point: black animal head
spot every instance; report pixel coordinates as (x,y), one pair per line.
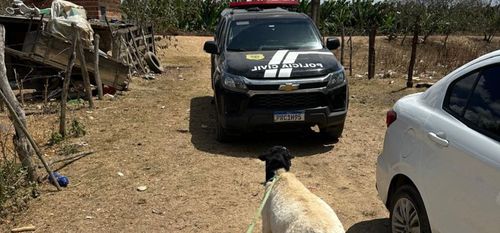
(276,158)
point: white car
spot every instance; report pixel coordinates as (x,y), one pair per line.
(440,167)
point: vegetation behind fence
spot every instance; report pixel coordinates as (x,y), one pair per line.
(391,17)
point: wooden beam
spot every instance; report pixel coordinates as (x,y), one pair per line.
(97,75)
(67,80)
(85,72)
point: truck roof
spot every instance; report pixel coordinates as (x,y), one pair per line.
(256,13)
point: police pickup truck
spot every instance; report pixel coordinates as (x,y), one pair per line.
(271,70)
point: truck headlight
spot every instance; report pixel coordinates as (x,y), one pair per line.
(233,82)
(336,79)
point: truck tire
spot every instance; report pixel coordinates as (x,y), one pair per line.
(153,62)
(220,133)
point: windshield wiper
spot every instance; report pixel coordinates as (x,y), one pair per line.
(237,50)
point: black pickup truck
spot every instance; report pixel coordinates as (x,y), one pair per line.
(272,70)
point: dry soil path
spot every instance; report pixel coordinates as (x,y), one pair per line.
(161,135)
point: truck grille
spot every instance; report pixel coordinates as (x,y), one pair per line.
(273,87)
(302,100)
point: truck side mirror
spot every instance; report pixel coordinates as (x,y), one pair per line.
(332,43)
(211,47)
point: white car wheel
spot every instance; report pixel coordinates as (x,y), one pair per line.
(408,213)
(405,218)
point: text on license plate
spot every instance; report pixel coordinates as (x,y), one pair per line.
(289,116)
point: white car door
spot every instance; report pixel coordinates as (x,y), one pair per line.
(461,161)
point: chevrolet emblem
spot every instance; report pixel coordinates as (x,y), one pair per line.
(289,87)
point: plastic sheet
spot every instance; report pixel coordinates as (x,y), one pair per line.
(63,14)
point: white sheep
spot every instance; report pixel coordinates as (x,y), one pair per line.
(291,207)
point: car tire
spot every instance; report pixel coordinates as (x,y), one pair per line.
(220,133)
(414,219)
(332,132)
(153,62)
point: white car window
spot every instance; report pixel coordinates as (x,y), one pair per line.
(460,92)
(483,109)
(475,100)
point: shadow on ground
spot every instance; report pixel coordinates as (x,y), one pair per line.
(202,129)
(371,226)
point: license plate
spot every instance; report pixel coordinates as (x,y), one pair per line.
(289,116)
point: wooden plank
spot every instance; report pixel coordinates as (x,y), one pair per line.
(112,71)
(140,57)
(126,30)
(48,50)
(136,57)
(37,59)
(85,72)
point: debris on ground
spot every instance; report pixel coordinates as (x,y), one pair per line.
(109,97)
(24,229)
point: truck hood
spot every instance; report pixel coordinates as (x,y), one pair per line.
(281,64)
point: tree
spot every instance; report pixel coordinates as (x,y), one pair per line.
(413,12)
(369,16)
(490,21)
(170,15)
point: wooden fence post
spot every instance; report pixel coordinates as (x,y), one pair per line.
(315,11)
(97,75)
(83,68)
(153,38)
(21,142)
(67,79)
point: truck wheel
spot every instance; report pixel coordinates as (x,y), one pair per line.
(220,133)
(332,132)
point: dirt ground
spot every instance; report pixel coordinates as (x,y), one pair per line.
(161,134)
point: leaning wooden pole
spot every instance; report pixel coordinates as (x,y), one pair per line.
(67,80)
(83,68)
(97,75)
(31,140)
(23,149)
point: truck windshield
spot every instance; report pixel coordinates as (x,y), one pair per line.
(275,34)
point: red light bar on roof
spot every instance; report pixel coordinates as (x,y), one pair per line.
(264,3)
